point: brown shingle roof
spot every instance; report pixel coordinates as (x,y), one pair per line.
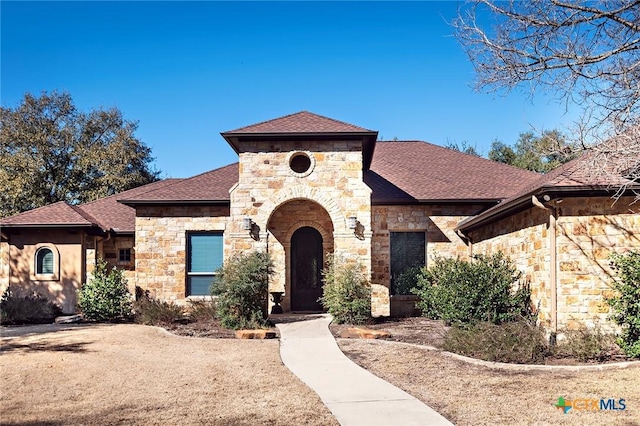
(425,172)
(114,215)
(105,213)
(56,214)
(574,176)
(300,122)
(209,187)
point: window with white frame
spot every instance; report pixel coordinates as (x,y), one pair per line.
(407,251)
(204,258)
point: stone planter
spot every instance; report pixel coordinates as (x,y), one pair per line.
(404,305)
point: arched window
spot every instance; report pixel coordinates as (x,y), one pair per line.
(44,261)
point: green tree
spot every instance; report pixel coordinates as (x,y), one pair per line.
(536,153)
(463,147)
(50,151)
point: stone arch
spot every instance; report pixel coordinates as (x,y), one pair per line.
(326,235)
(305,193)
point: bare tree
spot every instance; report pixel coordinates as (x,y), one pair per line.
(585,53)
(582,51)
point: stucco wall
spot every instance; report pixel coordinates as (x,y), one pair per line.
(160,246)
(4,265)
(68,256)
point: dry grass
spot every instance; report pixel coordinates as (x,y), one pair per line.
(131,374)
(473,395)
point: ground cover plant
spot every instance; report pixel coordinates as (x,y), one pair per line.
(346,293)
(106,296)
(241,291)
(29,309)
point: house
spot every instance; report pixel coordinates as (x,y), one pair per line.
(306,186)
(560,230)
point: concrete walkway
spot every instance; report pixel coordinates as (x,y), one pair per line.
(354,396)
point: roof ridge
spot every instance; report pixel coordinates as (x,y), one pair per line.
(243,129)
(266,121)
(97,200)
(78,209)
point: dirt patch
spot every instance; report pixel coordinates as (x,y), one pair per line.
(416,330)
(469,394)
(137,375)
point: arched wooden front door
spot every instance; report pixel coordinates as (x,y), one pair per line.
(306,267)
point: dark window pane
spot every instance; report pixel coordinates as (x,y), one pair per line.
(124,255)
(407,251)
(44,261)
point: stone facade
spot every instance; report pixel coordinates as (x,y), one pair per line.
(161,238)
(280,200)
(588,230)
(438,222)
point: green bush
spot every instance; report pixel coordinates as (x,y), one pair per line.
(242,291)
(585,344)
(346,294)
(625,304)
(520,342)
(407,281)
(32,309)
(106,296)
(463,292)
(149,311)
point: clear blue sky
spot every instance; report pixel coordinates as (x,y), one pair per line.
(190,70)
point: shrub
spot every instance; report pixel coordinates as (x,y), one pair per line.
(242,291)
(151,311)
(462,292)
(520,342)
(626,303)
(346,294)
(32,309)
(407,281)
(585,344)
(202,310)
(106,296)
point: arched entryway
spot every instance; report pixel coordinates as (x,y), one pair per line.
(306,269)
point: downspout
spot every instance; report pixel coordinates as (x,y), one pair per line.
(553,270)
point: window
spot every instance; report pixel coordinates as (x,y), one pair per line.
(124,255)
(44,261)
(300,163)
(407,251)
(204,258)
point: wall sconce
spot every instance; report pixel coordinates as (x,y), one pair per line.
(352,222)
(252,227)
